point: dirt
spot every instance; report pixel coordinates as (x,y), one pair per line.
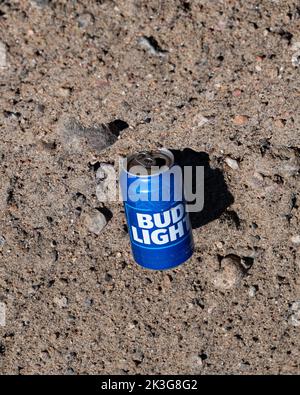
(84,82)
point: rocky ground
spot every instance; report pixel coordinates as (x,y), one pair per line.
(84,82)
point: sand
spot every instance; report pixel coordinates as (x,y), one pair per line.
(83,83)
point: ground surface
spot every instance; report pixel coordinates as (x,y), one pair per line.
(218,77)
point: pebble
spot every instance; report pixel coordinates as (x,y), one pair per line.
(232,163)
(240,120)
(95,221)
(296,59)
(252,291)
(279,123)
(2,314)
(230,274)
(295,46)
(106,179)
(138,356)
(295,239)
(61,302)
(84,20)
(2,55)
(167,281)
(219,244)
(200,120)
(258,176)
(104,171)
(64,92)
(2,241)
(294,318)
(237,93)
(256,180)
(197,361)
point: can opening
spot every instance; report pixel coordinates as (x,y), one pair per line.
(153,161)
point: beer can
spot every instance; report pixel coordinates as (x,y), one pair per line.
(158,224)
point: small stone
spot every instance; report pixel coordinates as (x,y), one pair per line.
(252,291)
(200,120)
(61,301)
(197,361)
(296,59)
(88,302)
(219,244)
(2,314)
(2,55)
(294,318)
(258,176)
(45,356)
(237,93)
(230,274)
(279,123)
(95,221)
(295,46)
(240,120)
(167,281)
(138,357)
(107,181)
(295,239)
(64,92)
(104,171)
(256,180)
(232,163)
(85,20)
(2,241)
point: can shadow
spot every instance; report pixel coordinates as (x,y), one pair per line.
(216,194)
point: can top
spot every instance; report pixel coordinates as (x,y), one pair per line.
(153,161)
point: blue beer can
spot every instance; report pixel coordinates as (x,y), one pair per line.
(158,223)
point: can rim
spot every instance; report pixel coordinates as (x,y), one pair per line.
(164,168)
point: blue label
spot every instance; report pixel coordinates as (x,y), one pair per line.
(158,230)
(160,240)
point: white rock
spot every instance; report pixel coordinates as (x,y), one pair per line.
(104,171)
(2,314)
(95,222)
(200,120)
(2,241)
(107,181)
(2,56)
(295,46)
(61,302)
(296,59)
(252,291)
(84,20)
(295,239)
(294,318)
(229,276)
(232,163)
(258,176)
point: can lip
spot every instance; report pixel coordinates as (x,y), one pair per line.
(163,169)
